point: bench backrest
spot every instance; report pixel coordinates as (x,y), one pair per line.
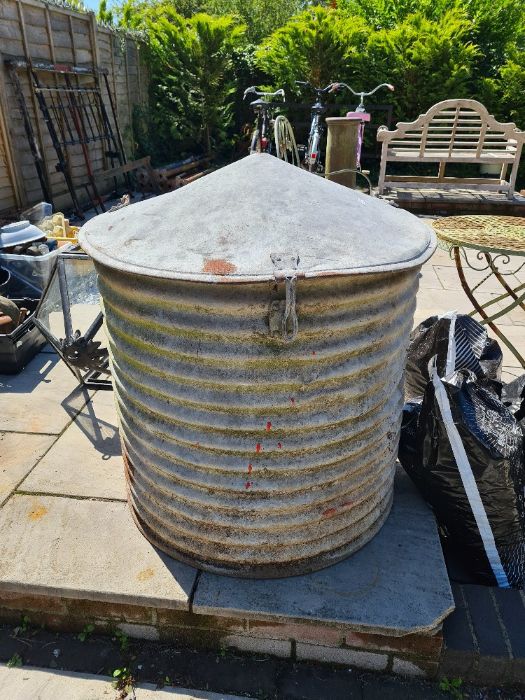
(454,126)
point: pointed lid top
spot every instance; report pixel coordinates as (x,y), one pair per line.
(245,221)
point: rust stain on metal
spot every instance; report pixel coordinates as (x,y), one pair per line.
(37,512)
(218,266)
(329,512)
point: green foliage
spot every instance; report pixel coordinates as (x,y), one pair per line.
(317,45)
(15,661)
(429,49)
(86,632)
(261,17)
(504,95)
(192,81)
(426,60)
(124,681)
(104,15)
(122,639)
(453,687)
(23,627)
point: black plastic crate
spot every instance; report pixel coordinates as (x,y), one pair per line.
(20,346)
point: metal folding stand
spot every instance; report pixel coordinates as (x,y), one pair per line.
(75,115)
(73,284)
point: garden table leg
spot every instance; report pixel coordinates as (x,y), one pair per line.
(488,320)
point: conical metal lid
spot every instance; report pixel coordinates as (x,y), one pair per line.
(246,220)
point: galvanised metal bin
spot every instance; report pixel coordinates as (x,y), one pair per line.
(258,321)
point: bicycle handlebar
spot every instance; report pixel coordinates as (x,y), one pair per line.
(253,90)
(319,91)
(361,106)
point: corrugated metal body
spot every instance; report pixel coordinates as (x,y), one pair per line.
(247,455)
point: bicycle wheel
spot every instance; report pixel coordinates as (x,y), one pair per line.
(285,145)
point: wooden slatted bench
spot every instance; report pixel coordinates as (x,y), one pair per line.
(452,131)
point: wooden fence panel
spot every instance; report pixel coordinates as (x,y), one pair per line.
(33,29)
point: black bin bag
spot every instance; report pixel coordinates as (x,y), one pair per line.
(464,449)
(472,349)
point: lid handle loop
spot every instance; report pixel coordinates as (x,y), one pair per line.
(286,269)
(290,323)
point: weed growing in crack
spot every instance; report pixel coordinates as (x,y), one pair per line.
(15,661)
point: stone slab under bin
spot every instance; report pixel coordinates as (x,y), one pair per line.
(389,599)
(380,609)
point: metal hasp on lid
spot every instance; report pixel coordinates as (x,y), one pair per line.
(257,322)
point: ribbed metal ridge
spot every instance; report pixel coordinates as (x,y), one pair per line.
(246,455)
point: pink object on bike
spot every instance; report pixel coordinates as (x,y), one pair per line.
(362,116)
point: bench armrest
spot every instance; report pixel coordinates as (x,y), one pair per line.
(383,134)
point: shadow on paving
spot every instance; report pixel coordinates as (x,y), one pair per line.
(254,676)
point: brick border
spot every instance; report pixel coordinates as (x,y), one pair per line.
(412,655)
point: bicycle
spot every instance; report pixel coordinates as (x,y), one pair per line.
(361,114)
(312,159)
(283,136)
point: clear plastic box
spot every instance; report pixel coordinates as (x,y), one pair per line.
(33,271)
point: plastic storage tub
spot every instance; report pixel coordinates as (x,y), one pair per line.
(20,346)
(33,271)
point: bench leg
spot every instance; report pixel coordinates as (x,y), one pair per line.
(382,169)
(514,173)
(441,171)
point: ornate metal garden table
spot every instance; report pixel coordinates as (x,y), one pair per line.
(497,240)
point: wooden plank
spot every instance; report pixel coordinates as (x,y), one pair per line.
(127,167)
(436,180)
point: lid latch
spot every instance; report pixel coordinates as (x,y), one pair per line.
(283,317)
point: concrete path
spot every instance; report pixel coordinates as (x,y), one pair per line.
(41,684)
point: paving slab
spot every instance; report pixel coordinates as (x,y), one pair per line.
(397,584)
(41,684)
(86,459)
(86,549)
(449,277)
(43,398)
(19,452)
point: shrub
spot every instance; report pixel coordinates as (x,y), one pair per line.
(317,45)
(426,60)
(192,79)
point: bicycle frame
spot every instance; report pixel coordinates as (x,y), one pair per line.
(261,141)
(312,160)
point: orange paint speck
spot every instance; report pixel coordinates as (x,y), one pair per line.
(279,445)
(258,447)
(248,485)
(145,574)
(268,427)
(249,469)
(217,266)
(329,512)
(37,512)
